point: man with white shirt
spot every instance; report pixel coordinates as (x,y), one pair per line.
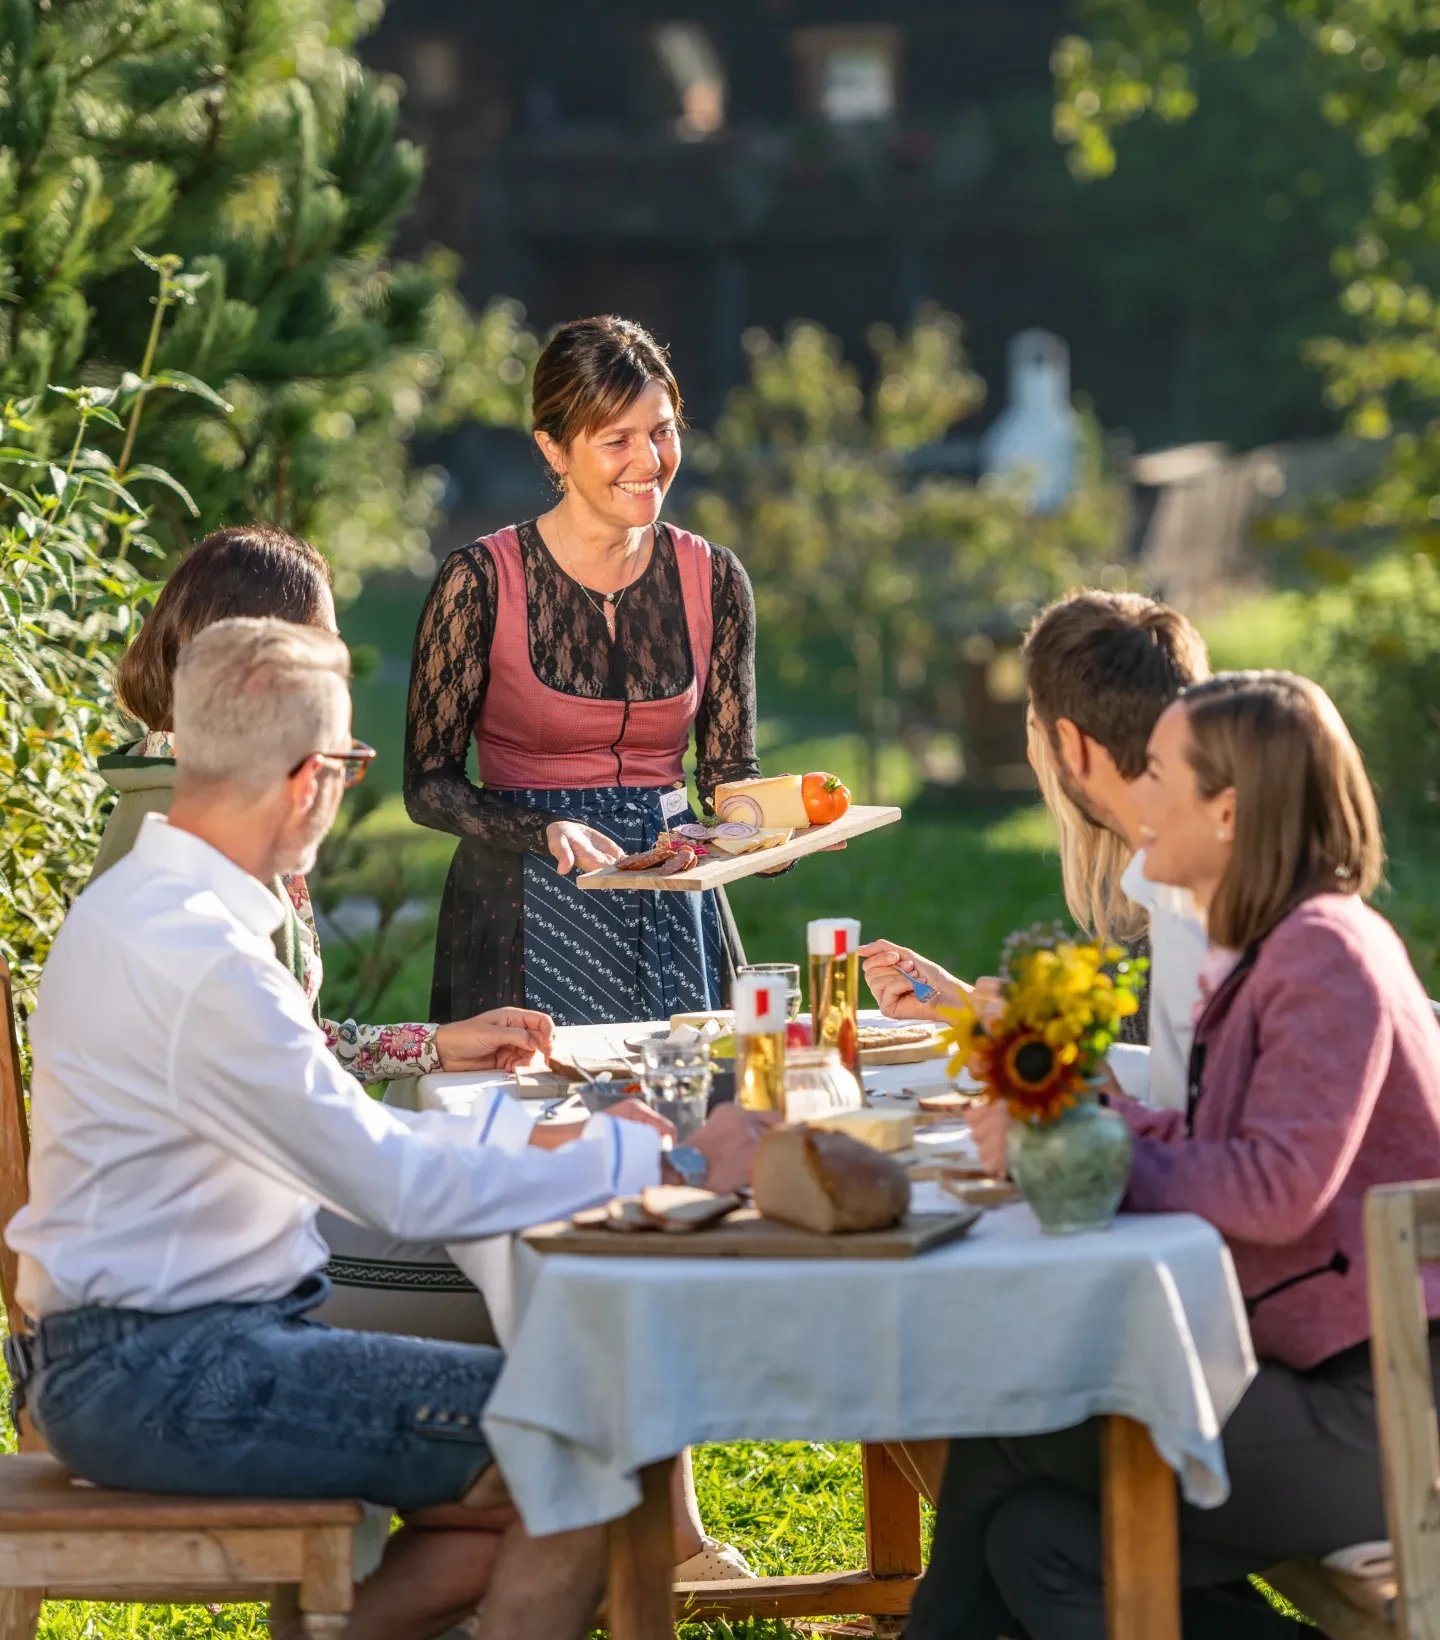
(188,1121)
(1100,668)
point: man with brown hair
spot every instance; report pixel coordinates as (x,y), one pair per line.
(1100,668)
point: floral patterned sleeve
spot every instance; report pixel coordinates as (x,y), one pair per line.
(377,1053)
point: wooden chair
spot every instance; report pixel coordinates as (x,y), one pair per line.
(61,1539)
(1402,1232)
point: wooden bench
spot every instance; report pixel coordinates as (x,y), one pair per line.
(1402,1232)
(62,1539)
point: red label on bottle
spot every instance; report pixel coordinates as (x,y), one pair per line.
(842,942)
(762,1003)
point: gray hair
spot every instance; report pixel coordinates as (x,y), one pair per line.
(255,697)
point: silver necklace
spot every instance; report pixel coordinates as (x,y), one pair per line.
(605,610)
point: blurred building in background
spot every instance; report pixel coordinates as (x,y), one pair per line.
(725,163)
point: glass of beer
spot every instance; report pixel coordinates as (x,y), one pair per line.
(761,1002)
(834,944)
(790,973)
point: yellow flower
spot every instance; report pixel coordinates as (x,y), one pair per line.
(960,1037)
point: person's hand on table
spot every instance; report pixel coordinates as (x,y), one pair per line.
(502,1039)
(889,970)
(728,1142)
(574,845)
(990,1123)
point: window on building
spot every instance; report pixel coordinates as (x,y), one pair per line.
(849,76)
(435,72)
(692,68)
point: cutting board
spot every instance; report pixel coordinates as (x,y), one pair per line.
(714,869)
(902,1053)
(746,1235)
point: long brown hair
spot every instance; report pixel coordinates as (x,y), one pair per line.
(1306,820)
(248,569)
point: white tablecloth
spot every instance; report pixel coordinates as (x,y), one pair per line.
(619,1362)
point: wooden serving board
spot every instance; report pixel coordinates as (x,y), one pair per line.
(902,1053)
(746,1235)
(714,869)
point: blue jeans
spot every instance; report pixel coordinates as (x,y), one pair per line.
(252,1400)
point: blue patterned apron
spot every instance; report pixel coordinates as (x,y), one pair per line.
(605,956)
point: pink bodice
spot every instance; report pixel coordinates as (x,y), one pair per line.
(530,736)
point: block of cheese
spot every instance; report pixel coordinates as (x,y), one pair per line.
(825,1182)
(888,1130)
(775,801)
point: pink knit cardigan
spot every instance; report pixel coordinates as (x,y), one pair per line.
(1315,1075)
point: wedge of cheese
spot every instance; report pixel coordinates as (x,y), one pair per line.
(887,1130)
(773,802)
(771,838)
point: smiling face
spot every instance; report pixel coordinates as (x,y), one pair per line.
(620,472)
(1188,839)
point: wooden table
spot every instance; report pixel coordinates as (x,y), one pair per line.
(1142,1582)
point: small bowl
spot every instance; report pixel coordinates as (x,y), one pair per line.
(602,1096)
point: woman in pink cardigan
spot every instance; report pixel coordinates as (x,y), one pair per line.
(1315,1074)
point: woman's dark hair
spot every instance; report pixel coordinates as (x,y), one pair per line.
(248,569)
(590,371)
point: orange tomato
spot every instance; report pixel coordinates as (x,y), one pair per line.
(824,797)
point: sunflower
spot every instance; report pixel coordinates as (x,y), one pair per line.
(1036,1079)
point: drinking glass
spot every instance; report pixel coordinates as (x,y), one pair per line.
(675,1082)
(790,973)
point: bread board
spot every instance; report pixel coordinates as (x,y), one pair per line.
(746,1235)
(713,870)
(903,1053)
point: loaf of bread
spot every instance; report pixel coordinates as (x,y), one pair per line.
(827,1182)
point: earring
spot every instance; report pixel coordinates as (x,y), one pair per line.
(1223,836)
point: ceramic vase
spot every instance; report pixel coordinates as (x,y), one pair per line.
(1072,1171)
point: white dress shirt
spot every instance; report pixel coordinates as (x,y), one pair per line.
(187,1118)
(1178,943)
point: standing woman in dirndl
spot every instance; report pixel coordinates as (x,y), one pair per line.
(579,650)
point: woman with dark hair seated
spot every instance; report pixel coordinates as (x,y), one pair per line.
(1315,1075)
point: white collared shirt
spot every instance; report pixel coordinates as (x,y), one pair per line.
(1178,943)
(187,1118)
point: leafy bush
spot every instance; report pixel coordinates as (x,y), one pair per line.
(75,542)
(1378,653)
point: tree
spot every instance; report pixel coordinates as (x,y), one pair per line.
(244,136)
(816,476)
(1372,65)
(1201,266)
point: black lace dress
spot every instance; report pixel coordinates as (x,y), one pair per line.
(591,957)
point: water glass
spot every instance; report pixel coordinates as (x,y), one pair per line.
(790,973)
(675,1083)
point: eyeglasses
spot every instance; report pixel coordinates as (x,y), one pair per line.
(353,763)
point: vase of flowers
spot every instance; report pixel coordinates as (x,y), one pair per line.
(1040,1048)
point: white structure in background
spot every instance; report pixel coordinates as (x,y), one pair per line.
(1037,434)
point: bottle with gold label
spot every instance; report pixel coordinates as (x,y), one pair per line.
(834,945)
(760,1008)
